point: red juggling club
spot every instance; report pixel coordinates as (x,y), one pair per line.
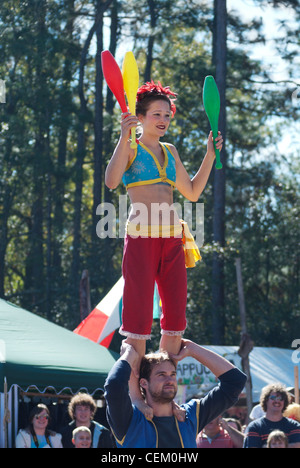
(113,78)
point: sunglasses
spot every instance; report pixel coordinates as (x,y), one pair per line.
(41,417)
(276,398)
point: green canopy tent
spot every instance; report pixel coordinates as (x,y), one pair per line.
(35,353)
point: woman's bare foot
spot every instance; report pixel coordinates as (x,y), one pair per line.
(178,412)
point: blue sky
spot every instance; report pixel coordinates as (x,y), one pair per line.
(271,16)
(289,145)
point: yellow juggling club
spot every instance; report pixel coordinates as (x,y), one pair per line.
(130,74)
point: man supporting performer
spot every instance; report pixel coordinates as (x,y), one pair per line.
(157,378)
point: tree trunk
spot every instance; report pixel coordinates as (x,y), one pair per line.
(65,103)
(98,125)
(107,244)
(4,216)
(75,267)
(76,264)
(153,21)
(35,274)
(6,203)
(84,293)
(219,56)
(246,344)
(102,6)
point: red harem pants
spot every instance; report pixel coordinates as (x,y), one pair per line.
(146,260)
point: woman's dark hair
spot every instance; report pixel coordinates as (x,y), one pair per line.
(38,410)
(34,412)
(150,92)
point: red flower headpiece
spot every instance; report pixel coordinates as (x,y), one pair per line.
(152,89)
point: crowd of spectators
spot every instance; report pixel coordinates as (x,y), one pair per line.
(82,431)
(274,423)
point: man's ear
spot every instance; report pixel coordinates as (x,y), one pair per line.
(144,383)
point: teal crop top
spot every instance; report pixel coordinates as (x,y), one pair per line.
(144,168)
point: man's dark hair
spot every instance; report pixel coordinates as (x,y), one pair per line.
(277,388)
(152,359)
(82,399)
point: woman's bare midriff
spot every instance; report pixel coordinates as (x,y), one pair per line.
(152,205)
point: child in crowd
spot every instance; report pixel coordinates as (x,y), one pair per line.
(277,439)
(82,437)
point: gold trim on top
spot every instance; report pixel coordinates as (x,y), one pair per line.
(149,182)
(161,169)
(131,160)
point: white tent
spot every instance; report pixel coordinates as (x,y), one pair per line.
(267,365)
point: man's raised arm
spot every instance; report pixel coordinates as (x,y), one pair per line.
(213,361)
(119,406)
(231,381)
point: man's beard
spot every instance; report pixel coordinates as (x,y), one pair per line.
(164,396)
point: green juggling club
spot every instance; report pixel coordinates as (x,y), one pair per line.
(211,102)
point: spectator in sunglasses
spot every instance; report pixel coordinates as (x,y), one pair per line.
(274,400)
(37,434)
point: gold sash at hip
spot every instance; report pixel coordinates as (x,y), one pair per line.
(138,230)
(191,251)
